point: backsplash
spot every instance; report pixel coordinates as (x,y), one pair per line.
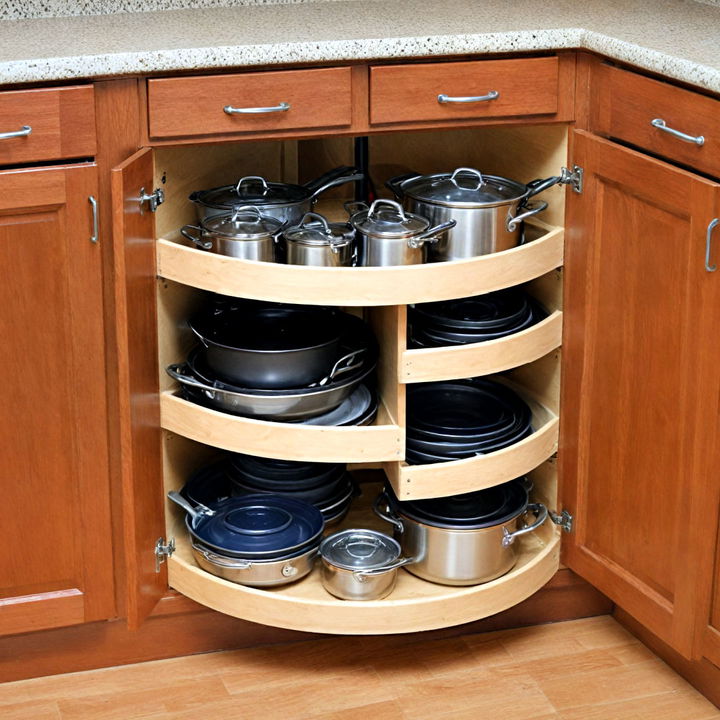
(24,9)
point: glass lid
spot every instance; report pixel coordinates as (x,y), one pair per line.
(252,189)
(244,223)
(359,549)
(314,229)
(386,218)
(465,187)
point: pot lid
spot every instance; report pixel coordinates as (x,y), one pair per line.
(359,549)
(315,230)
(259,524)
(464,187)
(470,511)
(252,190)
(244,223)
(386,218)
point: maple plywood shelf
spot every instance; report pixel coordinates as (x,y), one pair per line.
(361,286)
(414,605)
(383,440)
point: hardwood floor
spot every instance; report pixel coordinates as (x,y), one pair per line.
(589,669)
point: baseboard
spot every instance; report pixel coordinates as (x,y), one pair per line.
(181,627)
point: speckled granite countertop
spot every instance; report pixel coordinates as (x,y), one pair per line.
(678,38)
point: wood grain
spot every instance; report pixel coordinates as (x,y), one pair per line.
(193,106)
(640,388)
(409,93)
(54,457)
(625,102)
(62,121)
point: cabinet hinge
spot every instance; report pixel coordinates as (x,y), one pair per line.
(163,551)
(572,177)
(564,519)
(155,198)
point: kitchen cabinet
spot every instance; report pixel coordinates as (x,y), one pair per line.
(640,396)
(56,567)
(710,632)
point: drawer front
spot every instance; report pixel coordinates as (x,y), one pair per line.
(61,122)
(408,93)
(627,103)
(263,102)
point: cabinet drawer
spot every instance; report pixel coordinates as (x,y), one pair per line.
(406,93)
(263,102)
(61,122)
(627,103)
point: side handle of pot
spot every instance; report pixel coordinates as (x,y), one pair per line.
(512,223)
(185,232)
(333,178)
(178,372)
(541,513)
(394,184)
(381,507)
(431,235)
(361,575)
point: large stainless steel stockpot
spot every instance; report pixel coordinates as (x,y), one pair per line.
(463,554)
(244,234)
(314,241)
(285,202)
(255,573)
(488,209)
(360,564)
(387,235)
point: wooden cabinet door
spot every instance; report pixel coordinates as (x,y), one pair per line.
(710,632)
(135,300)
(55,529)
(641,382)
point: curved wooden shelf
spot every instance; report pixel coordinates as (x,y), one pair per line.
(372,443)
(366,286)
(415,482)
(413,606)
(492,356)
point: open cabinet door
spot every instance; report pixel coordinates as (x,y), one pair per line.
(640,386)
(134,237)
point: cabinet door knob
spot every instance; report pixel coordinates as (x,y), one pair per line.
(708,243)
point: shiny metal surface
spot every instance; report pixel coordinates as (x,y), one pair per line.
(259,249)
(253,573)
(94,206)
(24,131)
(660,124)
(710,267)
(280,107)
(492,95)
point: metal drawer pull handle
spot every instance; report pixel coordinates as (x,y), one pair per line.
(24,131)
(282,107)
(659,123)
(93,204)
(708,240)
(492,95)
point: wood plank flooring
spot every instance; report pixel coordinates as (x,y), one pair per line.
(588,669)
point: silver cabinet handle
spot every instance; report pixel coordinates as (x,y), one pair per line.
(708,240)
(24,131)
(282,107)
(93,205)
(492,95)
(660,124)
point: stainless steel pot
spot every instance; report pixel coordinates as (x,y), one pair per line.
(285,202)
(387,235)
(460,556)
(489,210)
(244,234)
(316,242)
(267,573)
(360,564)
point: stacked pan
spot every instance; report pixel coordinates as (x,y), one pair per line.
(327,486)
(473,319)
(461,419)
(287,363)
(259,540)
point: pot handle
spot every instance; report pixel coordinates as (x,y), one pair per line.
(469,171)
(385,514)
(394,184)
(359,206)
(540,511)
(338,370)
(196,512)
(318,218)
(248,210)
(541,184)
(333,178)
(511,223)
(247,178)
(362,575)
(177,372)
(431,235)
(185,232)
(384,201)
